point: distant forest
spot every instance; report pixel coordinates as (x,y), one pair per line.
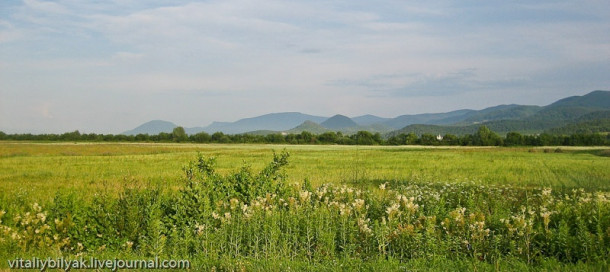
(482,137)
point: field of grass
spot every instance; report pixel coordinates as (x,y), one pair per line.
(361,208)
(37,170)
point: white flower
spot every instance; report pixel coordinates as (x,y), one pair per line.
(546,192)
(362,224)
(234,202)
(358,204)
(198,228)
(36,207)
(392,209)
(42,217)
(305,195)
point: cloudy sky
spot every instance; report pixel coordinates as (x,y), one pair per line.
(108,66)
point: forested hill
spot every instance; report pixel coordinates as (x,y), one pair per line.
(572,113)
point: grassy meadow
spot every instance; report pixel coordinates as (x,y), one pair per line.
(322,207)
(37,170)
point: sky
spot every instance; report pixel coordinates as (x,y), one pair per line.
(109,66)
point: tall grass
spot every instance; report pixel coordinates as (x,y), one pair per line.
(256,219)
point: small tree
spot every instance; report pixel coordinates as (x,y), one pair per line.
(179,135)
(514,138)
(201,137)
(485,136)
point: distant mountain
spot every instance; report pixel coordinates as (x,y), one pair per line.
(420,129)
(339,122)
(595,99)
(429,118)
(369,119)
(273,121)
(586,127)
(308,126)
(502,112)
(152,127)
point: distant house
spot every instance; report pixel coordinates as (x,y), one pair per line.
(439,137)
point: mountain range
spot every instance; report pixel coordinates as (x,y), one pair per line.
(592,109)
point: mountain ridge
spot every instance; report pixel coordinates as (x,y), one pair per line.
(501,118)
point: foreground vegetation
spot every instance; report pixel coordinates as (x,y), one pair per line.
(258,220)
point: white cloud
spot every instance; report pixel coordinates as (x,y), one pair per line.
(45,6)
(198,60)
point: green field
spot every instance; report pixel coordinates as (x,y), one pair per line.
(442,207)
(40,169)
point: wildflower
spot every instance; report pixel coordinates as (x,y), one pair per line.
(392,210)
(363,226)
(546,192)
(198,228)
(600,197)
(244,208)
(411,207)
(321,192)
(228,215)
(129,244)
(36,207)
(215,215)
(304,196)
(546,217)
(344,210)
(382,186)
(358,204)
(42,217)
(234,203)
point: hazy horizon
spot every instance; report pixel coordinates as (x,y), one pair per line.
(107,67)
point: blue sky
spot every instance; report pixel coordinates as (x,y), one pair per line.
(108,66)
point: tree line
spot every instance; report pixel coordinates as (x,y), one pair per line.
(483,137)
